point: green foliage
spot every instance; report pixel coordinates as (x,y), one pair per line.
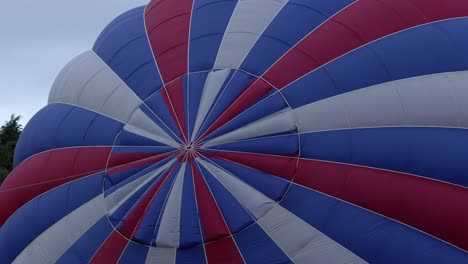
(9,135)
(3,174)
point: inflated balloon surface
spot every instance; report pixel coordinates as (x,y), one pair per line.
(209,131)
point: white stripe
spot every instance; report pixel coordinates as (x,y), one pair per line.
(300,241)
(169,230)
(142,125)
(255,202)
(88,82)
(214,82)
(161,255)
(60,81)
(118,197)
(49,246)
(249,20)
(278,122)
(430,100)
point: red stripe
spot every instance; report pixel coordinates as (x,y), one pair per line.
(437,208)
(223,251)
(256,90)
(357,25)
(173,96)
(47,170)
(135,218)
(167,24)
(111,250)
(117,159)
(281,166)
(137,163)
(213,223)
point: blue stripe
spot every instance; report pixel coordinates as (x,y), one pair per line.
(264,108)
(269,185)
(431,152)
(134,253)
(44,211)
(427,49)
(289,145)
(257,247)
(233,87)
(118,180)
(295,20)
(234,214)
(197,83)
(189,222)
(209,22)
(124,46)
(121,214)
(149,227)
(157,104)
(159,122)
(194,255)
(215,101)
(372,237)
(126,138)
(114,24)
(62,125)
(84,249)
(146,149)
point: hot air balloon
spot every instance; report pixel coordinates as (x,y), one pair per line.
(208,131)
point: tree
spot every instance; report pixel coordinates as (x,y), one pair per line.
(9,135)
(11,130)
(3,174)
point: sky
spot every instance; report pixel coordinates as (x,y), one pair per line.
(37,39)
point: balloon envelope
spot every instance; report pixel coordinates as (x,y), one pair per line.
(203,131)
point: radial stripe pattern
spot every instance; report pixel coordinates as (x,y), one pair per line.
(292,131)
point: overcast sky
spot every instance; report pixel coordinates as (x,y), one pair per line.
(37,38)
